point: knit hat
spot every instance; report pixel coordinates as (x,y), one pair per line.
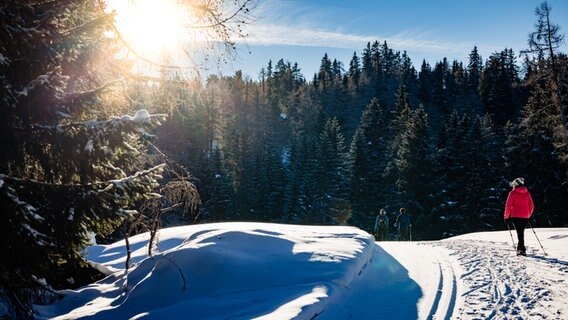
(518,182)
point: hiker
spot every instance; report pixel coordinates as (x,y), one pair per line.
(404,225)
(518,210)
(381,226)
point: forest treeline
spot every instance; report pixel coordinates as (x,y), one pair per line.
(442,141)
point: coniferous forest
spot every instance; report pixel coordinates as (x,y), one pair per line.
(90,149)
(443,141)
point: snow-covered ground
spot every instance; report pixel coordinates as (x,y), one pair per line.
(274,271)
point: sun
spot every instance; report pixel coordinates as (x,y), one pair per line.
(152,27)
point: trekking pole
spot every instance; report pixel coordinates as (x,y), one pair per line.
(511,234)
(537,239)
(410,230)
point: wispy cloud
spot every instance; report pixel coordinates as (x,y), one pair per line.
(298,24)
(287,35)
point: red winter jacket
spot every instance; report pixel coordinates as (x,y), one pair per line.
(519,203)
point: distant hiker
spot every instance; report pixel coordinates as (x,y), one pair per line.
(518,210)
(382,226)
(403,224)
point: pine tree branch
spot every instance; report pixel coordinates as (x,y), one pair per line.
(88,94)
(97,22)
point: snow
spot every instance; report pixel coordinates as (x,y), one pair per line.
(3,59)
(42,281)
(41,80)
(285,156)
(92,238)
(141,115)
(34,233)
(23,92)
(275,271)
(90,146)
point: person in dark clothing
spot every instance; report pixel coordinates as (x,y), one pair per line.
(403,224)
(381,226)
(518,210)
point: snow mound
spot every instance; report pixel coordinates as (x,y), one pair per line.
(223,271)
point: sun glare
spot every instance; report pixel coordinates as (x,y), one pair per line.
(152,27)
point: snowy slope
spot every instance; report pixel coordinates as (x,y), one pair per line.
(272,271)
(500,285)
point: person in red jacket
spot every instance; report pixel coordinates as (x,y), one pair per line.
(518,210)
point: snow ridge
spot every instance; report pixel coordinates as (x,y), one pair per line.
(226,270)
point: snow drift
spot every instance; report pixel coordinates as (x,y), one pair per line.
(233,270)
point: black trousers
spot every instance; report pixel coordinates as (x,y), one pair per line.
(404,234)
(520,224)
(382,234)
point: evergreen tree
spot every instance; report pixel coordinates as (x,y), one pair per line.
(439,93)
(400,117)
(414,164)
(480,180)
(369,74)
(218,205)
(473,72)
(377,57)
(535,137)
(408,74)
(458,88)
(63,176)
(474,69)
(333,176)
(325,74)
(424,78)
(467,179)
(303,174)
(499,87)
(354,74)
(337,70)
(238,125)
(368,158)
(491,174)
(389,78)
(448,179)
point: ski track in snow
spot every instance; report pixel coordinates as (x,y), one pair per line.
(433,267)
(499,285)
(447,278)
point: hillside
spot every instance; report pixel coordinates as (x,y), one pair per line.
(273,271)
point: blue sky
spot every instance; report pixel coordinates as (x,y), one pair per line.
(303,30)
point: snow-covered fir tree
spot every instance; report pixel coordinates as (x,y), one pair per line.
(67,167)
